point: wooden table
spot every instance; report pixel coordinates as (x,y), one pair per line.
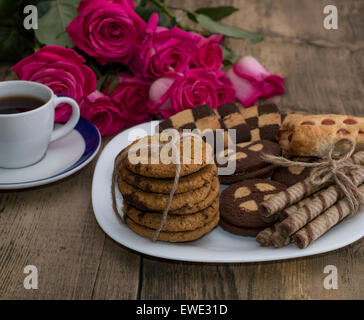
(53,227)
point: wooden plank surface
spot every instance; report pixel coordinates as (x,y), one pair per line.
(53,227)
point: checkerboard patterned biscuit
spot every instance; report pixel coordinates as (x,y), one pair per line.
(264,121)
(230,118)
(201,117)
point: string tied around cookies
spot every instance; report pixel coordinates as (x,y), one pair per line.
(337,170)
(150,147)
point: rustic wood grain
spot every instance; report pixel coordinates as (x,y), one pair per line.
(53,227)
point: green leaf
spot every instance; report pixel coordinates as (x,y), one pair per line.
(14,46)
(229,31)
(230,57)
(217,13)
(146,12)
(113,84)
(9,7)
(191,16)
(52,25)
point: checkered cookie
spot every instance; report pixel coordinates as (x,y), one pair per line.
(230,118)
(264,121)
(201,117)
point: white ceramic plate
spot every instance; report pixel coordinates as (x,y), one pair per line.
(216,246)
(63,158)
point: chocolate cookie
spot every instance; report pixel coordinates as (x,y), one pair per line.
(241,231)
(174,222)
(291,175)
(183,236)
(148,160)
(239,203)
(187,183)
(261,173)
(230,118)
(249,163)
(200,117)
(264,121)
(157,201)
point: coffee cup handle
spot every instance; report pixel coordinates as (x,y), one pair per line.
(71,123)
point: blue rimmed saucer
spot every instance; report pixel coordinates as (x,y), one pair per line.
(63,158)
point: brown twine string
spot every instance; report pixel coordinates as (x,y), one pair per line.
(330,169)
(176,152)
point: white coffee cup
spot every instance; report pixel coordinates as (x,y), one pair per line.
(25,136)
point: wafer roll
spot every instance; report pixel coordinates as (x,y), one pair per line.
(264,236)
(311,210)
(298,191)
(323,223)
(293,208)
(280,216)
(288,197)
(278,240)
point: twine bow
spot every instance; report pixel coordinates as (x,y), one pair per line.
(330,169)
(176,160)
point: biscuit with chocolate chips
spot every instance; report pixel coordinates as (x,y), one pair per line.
(158,201)
(174,222)
(173,236)
(144,156)
(187,183)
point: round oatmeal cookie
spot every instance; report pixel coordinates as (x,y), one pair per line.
(241,231)
(157,201)
(187,183)
(145,158)
(174,222)
(214,193)
(240,203)
(180,236)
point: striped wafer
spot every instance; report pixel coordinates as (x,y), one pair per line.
(264,236)
(311,210)
(293,208)
(288,197)
(298,191)
(323,223)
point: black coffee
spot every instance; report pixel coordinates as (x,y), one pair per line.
(19,104)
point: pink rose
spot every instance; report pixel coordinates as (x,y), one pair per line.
(252,81)
(209,54)
(61,69)
(225,90)
(131,98)
(197,86)
(107,31)
(100,110)
(163,51)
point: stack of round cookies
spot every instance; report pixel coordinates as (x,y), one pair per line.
(146,186)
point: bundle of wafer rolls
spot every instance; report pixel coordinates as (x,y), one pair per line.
(304,211)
